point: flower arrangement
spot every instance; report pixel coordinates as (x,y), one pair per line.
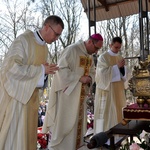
(141,144)
(90,120)
(42,139)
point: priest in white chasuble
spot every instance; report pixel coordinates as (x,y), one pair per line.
(21,75)
(110,91)
(66,112)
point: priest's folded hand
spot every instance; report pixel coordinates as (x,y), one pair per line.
(51,69)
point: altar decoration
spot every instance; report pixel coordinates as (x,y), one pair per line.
(139,84)
(135,112)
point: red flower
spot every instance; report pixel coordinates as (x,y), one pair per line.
(40,135)
(42,138)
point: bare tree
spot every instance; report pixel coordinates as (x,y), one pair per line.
(125,27)
(14,21)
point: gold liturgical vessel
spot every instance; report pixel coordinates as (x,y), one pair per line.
(139,84)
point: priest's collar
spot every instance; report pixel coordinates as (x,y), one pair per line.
(39,38)
(112,53)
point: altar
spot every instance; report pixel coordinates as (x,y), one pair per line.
(134,112)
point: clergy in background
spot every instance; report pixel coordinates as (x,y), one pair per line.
(110,91)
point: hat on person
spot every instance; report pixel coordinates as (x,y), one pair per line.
(97,36)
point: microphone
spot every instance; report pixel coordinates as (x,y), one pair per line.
(98,140)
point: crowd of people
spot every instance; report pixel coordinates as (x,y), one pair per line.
(41,113)
(22,75)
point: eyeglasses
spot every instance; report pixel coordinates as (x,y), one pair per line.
(57,34)
(97,48)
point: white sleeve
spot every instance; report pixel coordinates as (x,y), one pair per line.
(41,80)
(116,76)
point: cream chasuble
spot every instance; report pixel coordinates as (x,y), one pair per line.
(110,96)
(68,100)
(19,101)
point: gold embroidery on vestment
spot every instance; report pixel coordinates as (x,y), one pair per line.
(85,62)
